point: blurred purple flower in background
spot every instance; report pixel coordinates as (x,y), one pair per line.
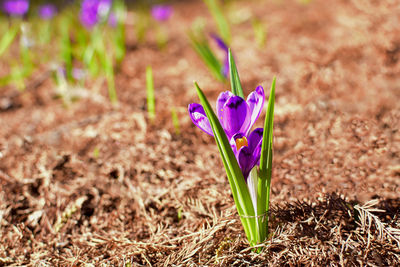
(16,7)
(221,44)
(47,11)
(161,12)
(92,11)
(88,14)
(112,19)
(79,74)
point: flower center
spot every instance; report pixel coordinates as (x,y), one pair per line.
(241,142)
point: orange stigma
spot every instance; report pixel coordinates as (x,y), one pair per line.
(241,142)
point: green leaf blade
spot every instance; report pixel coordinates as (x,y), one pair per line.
(7,39)
(204,51)
(150,93)
(264,183)
(222,23)
(236,85)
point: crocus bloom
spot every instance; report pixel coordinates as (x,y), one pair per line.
(236,116)
(161,12)
(92,11)
(47,11)
(16,7)
(221,44)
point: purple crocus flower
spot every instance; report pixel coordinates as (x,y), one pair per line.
(236,116)
(16,7)
(161,12)
(92,11)
(221,44)
(88,14)
(47,11)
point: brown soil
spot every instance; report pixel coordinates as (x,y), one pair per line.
(154,197)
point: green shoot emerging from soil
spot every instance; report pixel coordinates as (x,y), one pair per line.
(7,39)
(200,44)
(150,94)
(260,32)
(222,24)
(247,156)
(175,121)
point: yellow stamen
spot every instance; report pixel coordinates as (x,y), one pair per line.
(241,142)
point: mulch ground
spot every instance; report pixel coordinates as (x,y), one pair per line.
(89,184)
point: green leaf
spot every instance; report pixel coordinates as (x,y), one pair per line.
(109,71)
(27,64)
(150,93)
(203,49)
(260,32)
(264,183)
(237,182)
(7,39)
(119,33)
(45,32)
(236,85)
(120,12)
(222,23)
(142,25)
(120,49)
(66,48)
(175,121)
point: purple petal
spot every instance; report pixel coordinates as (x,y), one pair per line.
(255,142)
(161,12)
(257,155)
(255,138)
(16,7)
(249,157)
(255,101)
(88,19)
(47,11)
(222,98)
(199,118)
(235,116)
(88,14)
(92,11)
(246,160)
(221,44)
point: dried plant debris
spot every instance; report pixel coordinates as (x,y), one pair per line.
(327,231)
(334,230)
